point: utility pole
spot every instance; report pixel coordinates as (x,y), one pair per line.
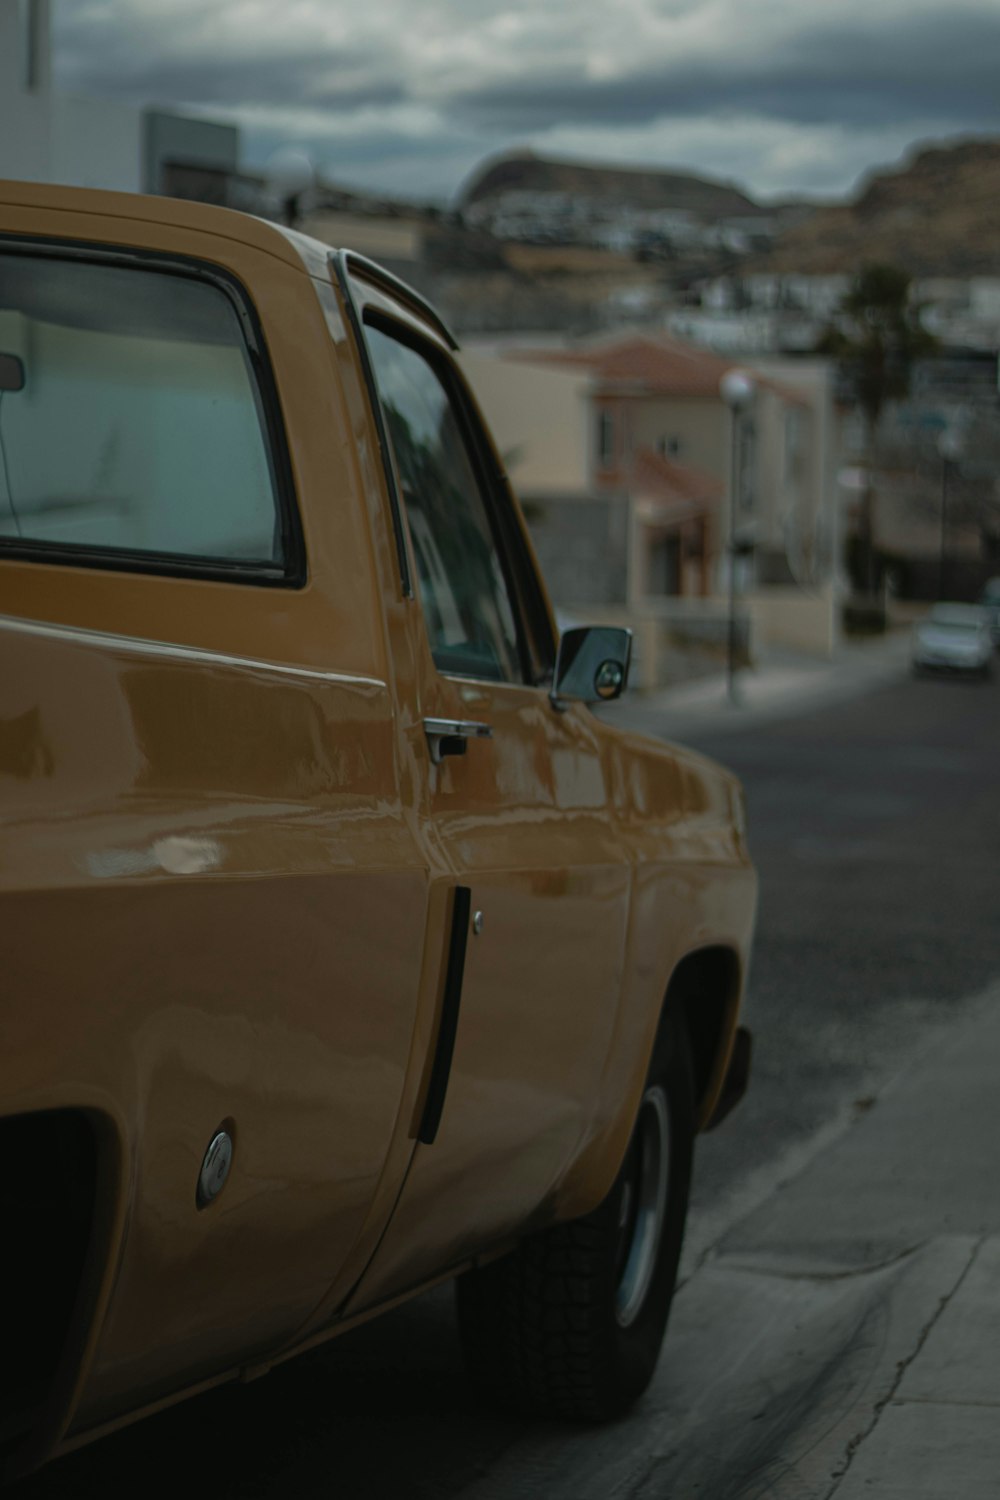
(737,389)
(950,449)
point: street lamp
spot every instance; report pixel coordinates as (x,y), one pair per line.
(289,174)
(949,447)
(737,390)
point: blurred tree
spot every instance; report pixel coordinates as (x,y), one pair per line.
(876,336)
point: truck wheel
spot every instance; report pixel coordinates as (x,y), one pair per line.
(570,1323)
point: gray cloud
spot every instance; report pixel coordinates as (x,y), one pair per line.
(372,93)
(141,59)
(377,148)
(292,79)
(938,70)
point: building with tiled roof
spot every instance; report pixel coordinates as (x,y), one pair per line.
(657,364)
(660,366)
(622,450)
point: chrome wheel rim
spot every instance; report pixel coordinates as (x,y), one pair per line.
(643,1206)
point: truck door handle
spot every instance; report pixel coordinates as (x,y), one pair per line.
(452,736)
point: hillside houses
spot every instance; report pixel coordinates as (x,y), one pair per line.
(774,311)
(557,217)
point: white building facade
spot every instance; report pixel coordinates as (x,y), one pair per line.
(48,136)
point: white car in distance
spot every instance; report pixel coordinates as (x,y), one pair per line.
(954,638)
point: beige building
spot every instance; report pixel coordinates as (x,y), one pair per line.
(395,242)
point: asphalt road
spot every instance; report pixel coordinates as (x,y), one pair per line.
(875,825)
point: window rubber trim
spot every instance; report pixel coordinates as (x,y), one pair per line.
(293,572)
(383,280)
(341,262)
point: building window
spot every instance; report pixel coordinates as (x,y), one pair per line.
(793,446)
(605,439)
(665,564)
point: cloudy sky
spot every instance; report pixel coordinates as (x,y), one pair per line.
(407,96)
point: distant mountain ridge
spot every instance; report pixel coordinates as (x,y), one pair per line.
(938,215)
(646,188)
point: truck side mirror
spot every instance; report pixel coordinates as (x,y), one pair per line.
(591,665)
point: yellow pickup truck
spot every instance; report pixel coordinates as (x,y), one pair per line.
(344,949)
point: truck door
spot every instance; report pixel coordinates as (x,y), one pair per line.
(514,799)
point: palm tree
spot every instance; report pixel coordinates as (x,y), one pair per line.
(876,338)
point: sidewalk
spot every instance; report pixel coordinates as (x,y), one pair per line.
(842,1341)
(869,1291)
(782,684)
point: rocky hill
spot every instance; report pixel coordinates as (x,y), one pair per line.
(523,171)
(937,215)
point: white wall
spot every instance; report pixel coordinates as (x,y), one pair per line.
(95,143)
(792,618)
(24,111)
(48,137)
(812,492)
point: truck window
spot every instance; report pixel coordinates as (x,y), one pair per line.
(135,425)
(465,597)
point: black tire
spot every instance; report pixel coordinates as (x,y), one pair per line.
(571,1322)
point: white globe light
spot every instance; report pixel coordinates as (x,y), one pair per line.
(737,389)
(289,172)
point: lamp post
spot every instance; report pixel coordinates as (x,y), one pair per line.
(289,173)
(737,390)
(950,450)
